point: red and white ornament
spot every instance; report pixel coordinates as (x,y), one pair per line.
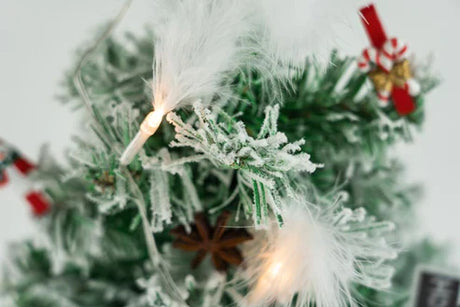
(12,160)
(393,51)
(384,54)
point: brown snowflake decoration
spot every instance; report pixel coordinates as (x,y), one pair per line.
(219,241)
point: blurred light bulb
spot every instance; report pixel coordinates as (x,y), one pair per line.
(275,269)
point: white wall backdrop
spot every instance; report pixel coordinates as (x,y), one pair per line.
(37,39)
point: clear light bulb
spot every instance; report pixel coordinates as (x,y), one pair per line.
(148,127)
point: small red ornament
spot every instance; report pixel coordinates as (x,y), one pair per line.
(390,76)
(10,158)
(39,204)
(22,165)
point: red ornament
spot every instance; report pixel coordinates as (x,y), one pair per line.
(37,201)
(402,99)
(10,158)
(3,178)
(373,25)
(23,165)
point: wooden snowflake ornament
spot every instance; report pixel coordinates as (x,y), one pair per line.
(218,241)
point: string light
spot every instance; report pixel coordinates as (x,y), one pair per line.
(148,127)
(274,282)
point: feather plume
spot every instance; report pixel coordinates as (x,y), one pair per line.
(317,255)
(197,50)
(291,30)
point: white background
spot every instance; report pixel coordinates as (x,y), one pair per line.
(37,40)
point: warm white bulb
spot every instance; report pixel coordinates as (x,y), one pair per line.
(273,281)
(275,269)
(152,121)
(148,127)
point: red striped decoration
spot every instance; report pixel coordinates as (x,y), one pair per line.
(404,103)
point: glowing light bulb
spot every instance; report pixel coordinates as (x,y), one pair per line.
(151,122)
(148,127)
(275,269)
(268,282)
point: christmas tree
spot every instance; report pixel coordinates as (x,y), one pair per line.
(224,164)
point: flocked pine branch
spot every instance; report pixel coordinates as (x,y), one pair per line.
(262,161)
(95,225)
(337,109)
(110,189)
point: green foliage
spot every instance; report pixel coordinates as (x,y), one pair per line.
(261,163)
(95,252)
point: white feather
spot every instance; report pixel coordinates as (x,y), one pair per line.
(317,255)
(197,49)
(295,29)
(200,45)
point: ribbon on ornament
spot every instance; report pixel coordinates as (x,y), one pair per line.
(12,158)
(387,65)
